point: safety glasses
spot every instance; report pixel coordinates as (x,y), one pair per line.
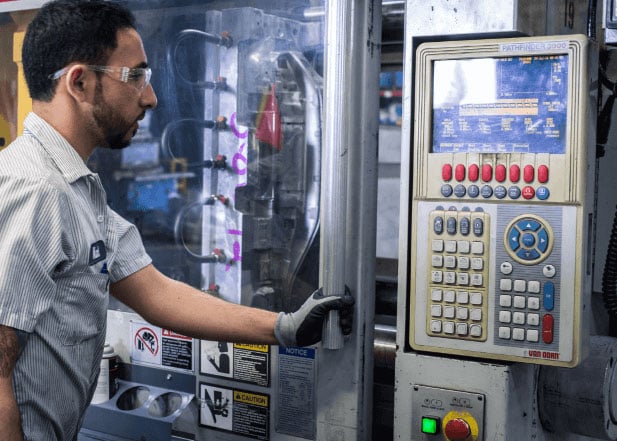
(138,77)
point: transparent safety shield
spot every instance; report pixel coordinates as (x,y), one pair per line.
(222,178)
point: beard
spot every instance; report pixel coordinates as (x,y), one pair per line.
(116,131)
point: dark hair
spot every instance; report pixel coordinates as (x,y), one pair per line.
(65,31)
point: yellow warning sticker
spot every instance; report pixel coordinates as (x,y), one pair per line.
(260,348)
(249,398)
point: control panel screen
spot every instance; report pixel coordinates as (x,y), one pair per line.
(514,104)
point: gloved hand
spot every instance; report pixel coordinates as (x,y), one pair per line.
(304,327)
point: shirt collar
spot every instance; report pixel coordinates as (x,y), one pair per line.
(61,152)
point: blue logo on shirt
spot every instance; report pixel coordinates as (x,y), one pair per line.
(98,253)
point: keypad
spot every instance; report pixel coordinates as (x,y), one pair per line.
(458,250)
(525,308)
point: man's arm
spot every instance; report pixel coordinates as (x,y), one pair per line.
(10,420)
(174,305)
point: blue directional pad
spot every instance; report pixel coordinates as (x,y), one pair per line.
(527,239)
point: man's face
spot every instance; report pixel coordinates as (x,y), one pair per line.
(118,106)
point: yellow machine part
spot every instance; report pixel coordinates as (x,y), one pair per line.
(24,103)
(5,133)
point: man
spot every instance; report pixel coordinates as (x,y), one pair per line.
(63,249)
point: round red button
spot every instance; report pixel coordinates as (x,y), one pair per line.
(457,429)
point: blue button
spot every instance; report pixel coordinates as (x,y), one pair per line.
(460,190)
(500,192)
(542,193)
(513,239)
(473,191)
(451,225)
(528,240)
(478,227)
(464,226)
(542,240)
(528,254)
(487,191)
(438,225)
(446,190)
(528,225)
(549,296)
(514,192)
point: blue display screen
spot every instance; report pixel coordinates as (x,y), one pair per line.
(500,105)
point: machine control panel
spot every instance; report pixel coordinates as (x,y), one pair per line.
(447,415)
(501,199)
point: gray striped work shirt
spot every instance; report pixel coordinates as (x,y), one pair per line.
(60,247)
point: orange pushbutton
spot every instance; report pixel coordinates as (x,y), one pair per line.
(457,429)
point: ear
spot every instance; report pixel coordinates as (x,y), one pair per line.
(79,82)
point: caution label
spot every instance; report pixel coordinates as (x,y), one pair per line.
(249,398)
(259,348)
(238,411)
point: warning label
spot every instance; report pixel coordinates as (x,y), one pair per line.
(160,347)
(232,410)
(241,362)
(146,343)
(249,398)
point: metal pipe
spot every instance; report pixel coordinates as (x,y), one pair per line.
(384,347)
(333,212)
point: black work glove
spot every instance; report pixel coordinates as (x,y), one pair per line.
(304,327)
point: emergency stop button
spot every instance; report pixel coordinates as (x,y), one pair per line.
(457,429)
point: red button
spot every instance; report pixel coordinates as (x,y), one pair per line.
(528,192)
(515,173)
(446,172)
(543,174)
(487,172)
(459,172)
(457,429)
(473,173)
(528,173)
(500,173)
(547,329)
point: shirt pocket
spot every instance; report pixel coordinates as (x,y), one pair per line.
(84,308)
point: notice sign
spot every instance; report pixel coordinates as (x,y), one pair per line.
(160,347)
(296,392)
(241,362)
(233,410)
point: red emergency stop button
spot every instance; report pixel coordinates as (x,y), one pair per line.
(457,429)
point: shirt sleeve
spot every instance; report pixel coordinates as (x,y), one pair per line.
(33,248)
(130,255)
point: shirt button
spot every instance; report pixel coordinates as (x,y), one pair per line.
(100,218)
